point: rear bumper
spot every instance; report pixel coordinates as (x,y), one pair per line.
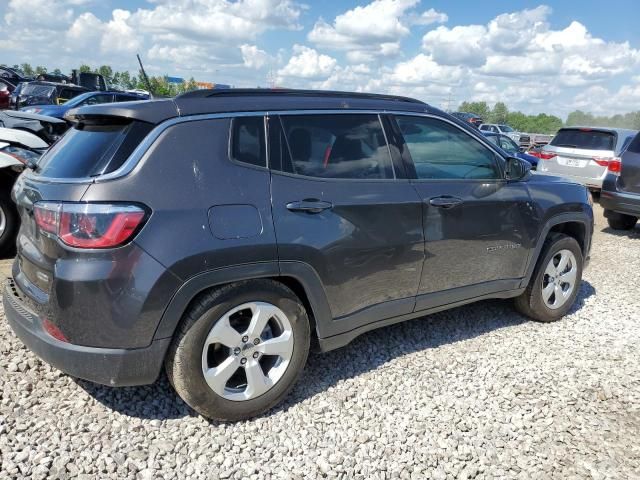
(626,203)
(589,182)
(107,366)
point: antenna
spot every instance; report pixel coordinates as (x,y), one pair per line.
(144,75)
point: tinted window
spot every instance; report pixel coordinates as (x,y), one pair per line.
(441,151)
(89,150)
(508,145)
(96,99)
(634,147)
(336,146)
(584,138)
(247,141)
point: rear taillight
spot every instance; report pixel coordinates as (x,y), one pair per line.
(615,165)
(603,162)
(89,225)
(547,155)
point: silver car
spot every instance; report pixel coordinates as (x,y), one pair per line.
(584,154)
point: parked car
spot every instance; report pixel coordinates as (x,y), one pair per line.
(510,147)
(5,95)
(583,154)
(13,75)
(18,148)
(620,195)
(88,98)
(46,93)
(505,130)
(49,129)
(221,232)
(471,118)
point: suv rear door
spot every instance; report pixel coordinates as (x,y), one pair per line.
(629,180)
(478,227)
(342,204)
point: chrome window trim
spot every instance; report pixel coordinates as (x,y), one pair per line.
(140,151)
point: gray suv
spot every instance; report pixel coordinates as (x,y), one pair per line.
(223,233)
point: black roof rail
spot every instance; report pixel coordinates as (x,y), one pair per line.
(242,92)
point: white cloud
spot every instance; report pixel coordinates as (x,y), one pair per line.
(307,63)
(253,57)
(430,16)
(457,45)
(367,32)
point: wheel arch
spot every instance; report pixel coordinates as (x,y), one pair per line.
(575,224)
(298,276)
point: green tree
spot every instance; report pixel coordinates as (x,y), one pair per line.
(499,113)
(479,108)
(27,69)
(84,68)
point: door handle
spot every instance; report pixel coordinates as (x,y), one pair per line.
(309,205)
(445,201)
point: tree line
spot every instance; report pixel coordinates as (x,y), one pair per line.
(543,123)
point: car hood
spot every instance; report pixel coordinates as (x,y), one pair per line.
(22,116)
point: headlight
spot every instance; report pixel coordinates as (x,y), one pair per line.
(23,155)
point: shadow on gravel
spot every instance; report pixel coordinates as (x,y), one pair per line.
(365,353)
(634,233)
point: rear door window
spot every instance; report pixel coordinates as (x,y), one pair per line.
(584,138)
(351,146)
(91,150)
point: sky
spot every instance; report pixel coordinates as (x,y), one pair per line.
(552,57)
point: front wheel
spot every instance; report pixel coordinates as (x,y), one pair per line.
(239,350)
(554,285)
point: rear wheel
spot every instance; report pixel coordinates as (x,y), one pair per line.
(239,350)
(556,279)
(620,221)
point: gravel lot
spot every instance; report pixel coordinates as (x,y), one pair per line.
(474,392)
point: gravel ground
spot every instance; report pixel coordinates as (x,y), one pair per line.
(474,392)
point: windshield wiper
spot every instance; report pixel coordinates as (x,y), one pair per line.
(565,145)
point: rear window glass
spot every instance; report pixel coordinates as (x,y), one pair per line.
(45,91)
(586,139)
(92,150)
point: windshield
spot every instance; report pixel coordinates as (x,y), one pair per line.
(506,128)
(45,91)
(585,138)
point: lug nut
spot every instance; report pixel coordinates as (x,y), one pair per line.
(236,351)
(243,361)
(245,339)
(256,341)
(256,354)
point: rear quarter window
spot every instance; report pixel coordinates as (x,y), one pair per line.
(586,139)
(634,146)
(91,150)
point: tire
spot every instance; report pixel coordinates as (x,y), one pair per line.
(212,317)
(620,221)
(9,224)
(531,302)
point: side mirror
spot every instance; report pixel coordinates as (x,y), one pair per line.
(516,168)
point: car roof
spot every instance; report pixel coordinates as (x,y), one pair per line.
(619,131)
(202,102)
(56,84)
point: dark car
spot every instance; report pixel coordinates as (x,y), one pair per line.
(223,232)
(13,75)
(46,93)
(88,98)
(510,147)
(470,118)
(620,195)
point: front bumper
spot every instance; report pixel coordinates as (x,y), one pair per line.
(107,366)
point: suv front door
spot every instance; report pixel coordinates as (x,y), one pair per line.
(478,227)
(343,205)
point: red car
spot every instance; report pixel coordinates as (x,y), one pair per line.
(5,94)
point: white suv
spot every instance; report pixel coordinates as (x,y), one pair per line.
(520,138)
